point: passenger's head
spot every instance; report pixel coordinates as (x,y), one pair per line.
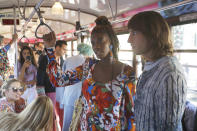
(60,47)
(13,89)
(26,51)
(39,46)
(85,49)
(38,115)
(150,35)
(104,39)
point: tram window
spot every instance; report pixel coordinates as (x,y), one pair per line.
(185,42)
(69,52)
(190,67)
(75,53)
(124,45)
(185,36)
(74,45)
(125,53)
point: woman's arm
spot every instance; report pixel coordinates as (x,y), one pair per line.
(57,76)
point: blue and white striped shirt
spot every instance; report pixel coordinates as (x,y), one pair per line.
(160,96)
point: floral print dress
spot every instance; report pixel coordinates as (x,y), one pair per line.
(4,61)
(107,106)
(5,106)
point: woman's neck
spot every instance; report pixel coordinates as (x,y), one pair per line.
(108,60)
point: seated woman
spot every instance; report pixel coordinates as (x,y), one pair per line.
(37,116)
(12,91)
(107,84)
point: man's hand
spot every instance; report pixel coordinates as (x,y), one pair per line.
(14,38)
(49,39)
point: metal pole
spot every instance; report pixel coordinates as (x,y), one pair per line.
(16,46)
(110,7)
(32,14)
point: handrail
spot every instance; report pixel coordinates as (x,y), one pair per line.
(22,14)
(32,14)
(41,24)
(24,37)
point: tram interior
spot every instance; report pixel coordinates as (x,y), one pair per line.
(181,15)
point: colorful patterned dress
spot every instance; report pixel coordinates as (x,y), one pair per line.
(5,106)
(16,107)
(4,61)
(107,106)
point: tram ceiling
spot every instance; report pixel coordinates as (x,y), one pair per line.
(89,10)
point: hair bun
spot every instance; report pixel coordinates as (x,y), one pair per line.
(102,20)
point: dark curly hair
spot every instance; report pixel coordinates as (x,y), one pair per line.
(103,26)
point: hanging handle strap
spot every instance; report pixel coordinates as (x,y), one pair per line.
(24,37)
(41,24)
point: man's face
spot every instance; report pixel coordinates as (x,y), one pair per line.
(60,51)
(40,47)
(139,43)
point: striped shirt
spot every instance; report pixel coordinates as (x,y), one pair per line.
(160,96)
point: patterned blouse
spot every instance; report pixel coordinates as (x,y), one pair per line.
(5,68)
(5,106)
(16,107)
(107,106)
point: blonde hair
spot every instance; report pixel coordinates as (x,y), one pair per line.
(36,116)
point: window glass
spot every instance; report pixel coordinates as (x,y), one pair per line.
(125,54)
(75,53)
(124,45)
(189,64)
(75,45)
(185,36)
(68,45)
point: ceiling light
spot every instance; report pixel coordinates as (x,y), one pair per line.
(57,8)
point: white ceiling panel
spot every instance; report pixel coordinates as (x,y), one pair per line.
(89,11)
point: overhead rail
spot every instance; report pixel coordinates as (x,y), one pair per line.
(159,9)
(41,24)
(116,9)
(24,37)
(15,43)
(32,14)
(22,14)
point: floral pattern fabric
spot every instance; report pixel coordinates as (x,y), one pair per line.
(107,106)
(5,106)
(4,61)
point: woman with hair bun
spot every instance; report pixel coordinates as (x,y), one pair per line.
(107,84)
